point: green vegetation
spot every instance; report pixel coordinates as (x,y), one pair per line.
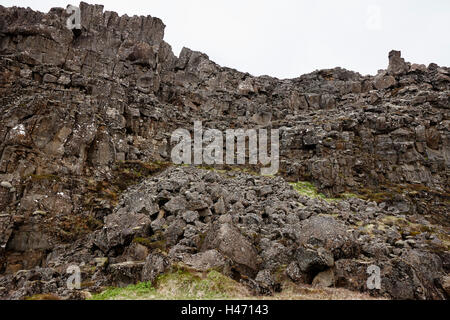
(146,242)
(189,285)
(45,177)
(309,190)
(179,285)
(184,285)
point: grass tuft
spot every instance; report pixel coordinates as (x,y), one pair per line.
(307,189)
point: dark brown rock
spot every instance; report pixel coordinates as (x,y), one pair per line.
(227,239)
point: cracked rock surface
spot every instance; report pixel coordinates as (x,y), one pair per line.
(86,178)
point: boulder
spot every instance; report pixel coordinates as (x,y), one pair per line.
(228,240)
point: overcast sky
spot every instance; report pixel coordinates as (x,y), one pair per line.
(287,38)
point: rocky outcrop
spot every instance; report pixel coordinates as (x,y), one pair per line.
(86,122)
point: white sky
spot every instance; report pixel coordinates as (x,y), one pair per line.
(287,38)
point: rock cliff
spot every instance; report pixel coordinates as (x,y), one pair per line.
(86,174)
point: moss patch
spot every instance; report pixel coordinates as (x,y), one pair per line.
(307,189)
(70,228)
(134,292)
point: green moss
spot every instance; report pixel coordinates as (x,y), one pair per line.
(375,195)
(43,297)
(128,173)
(408,228)
(280,273)
(188,286)
(129,293)
(334,215)
(226,169)
(387,192)
(152,243)
(93,223)
(45,177)
(309,190)
(182,284)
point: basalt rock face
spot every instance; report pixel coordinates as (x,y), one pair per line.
(86,120)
